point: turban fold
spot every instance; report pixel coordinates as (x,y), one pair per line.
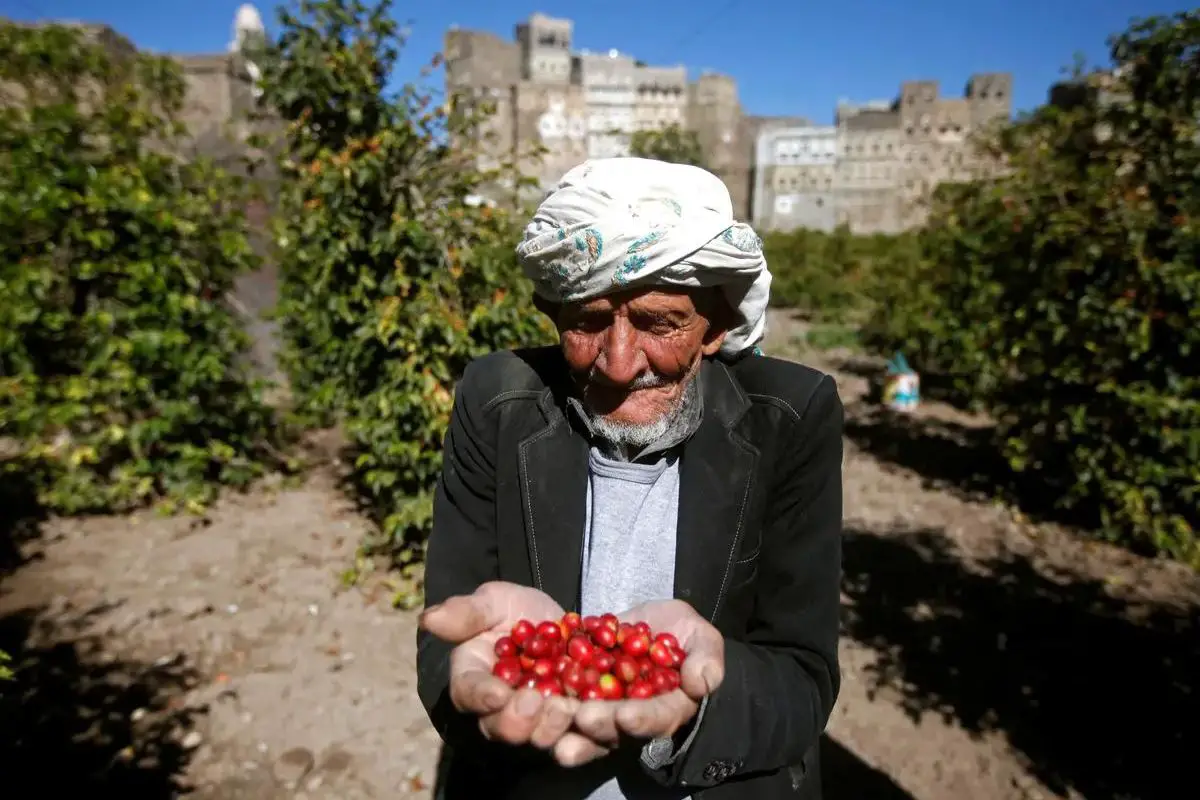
(622,223)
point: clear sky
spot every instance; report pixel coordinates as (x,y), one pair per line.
(793,57)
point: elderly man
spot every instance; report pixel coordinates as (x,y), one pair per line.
(655,463)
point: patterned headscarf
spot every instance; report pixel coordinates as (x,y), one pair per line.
(620,223)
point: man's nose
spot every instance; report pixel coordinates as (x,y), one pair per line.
(620,360)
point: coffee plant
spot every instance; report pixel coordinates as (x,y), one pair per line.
(120,365)
(1066,295)
(833,276)
(395,273)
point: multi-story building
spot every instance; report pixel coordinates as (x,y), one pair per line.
(610,93)
(587,105)
(889,156)
(870,147)
(662,95)
(795,169)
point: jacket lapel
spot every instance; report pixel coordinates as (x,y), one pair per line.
(554,477)
(716,470)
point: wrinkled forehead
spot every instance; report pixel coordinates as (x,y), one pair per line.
(666,299)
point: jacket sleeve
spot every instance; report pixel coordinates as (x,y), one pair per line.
(782,678)
(462,549)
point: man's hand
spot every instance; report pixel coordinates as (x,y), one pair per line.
(474,622)
(605,723)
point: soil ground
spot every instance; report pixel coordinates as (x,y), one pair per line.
(985,655)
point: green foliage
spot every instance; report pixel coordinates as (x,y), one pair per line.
(119,362)
(392,278)
(833,276)
(1065,296)
(5,672)
(672,143)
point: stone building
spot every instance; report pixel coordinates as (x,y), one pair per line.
(610,93)
(580,105)
(889,155)
(868,174)
(715,114)
(662,97)
(794,178)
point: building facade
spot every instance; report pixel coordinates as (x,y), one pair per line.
(794,178)
(889,156)
(610,92)
(579,105)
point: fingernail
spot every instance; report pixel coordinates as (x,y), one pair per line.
(711,677)
(528,704)
(431,609)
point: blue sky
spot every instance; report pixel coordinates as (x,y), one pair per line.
(789,56)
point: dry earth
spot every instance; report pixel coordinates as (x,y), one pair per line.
(984,655)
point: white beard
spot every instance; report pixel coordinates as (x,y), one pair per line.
(632,437)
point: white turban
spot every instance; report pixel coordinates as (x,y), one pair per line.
(620,223)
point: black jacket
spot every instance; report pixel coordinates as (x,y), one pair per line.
(758,554)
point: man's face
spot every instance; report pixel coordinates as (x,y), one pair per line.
(634,353)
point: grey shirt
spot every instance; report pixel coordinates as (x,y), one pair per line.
(629,559)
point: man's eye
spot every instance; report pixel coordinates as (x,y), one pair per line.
(589,324)
(658,326)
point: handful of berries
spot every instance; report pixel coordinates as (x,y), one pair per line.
(592,658)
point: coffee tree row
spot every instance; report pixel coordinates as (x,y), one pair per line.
(1065,297)
(120,376)
(393,277)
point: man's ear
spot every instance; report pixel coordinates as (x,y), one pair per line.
(713,341)
(721,317)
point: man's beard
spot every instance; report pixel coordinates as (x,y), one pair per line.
(631,437)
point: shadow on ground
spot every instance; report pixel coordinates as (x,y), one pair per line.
(844,776)
(959,458)
(1098,695)
(74,721)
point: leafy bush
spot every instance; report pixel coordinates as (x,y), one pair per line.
(119,362)
(833,276)
(393,278)
(1064,295)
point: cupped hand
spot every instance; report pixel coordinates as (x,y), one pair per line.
(603,724)
(474,623)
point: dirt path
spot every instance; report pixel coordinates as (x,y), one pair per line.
(984,656)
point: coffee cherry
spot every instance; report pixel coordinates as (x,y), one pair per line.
(668,639)
(626,669)
(543,668)
(610,688)
(522,632)
(593,658)
(550,631)
(636,644)
(605,637)
(506,647)
(537,647)
(508,670)
(603,660)
(580,649)
(661,654)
